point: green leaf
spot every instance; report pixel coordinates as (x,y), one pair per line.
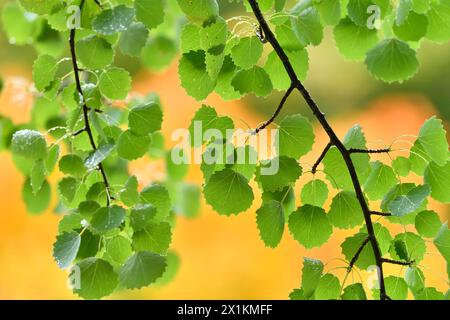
(270,221)
(428,224)
(159,52)
(177,164)
(419,158)
(433,139)
(66,248)
(142,269)
(155,237)
(70,222)
(357,10)
(193,75)
(129,195)
(381,179)
(107,219)
(145,119)
(401,166)
(396,288)
(188,202)
(115,83)
(297,294)
(329,10)
(213,36)
(439,21)
(246,161)
(278,173)
(352,40)
(158,196)
(206,118)
(37,175)
(415,279)
(315,193)
(306,23)
(94,52)
(72,164)
(133,39)
(68,188)
(335,167)
(228,192)
(118,249)
(29,144)
(328,288)
(40,6)
(354,292)
(189,38)
(311,274)
(44,71)
(296,136)
(442,242)
(98,156)
(114,20)
(150,12)
(89,245)
(141,215)
(255,80)
(285,196)
(438,178)
(366,258)
(310,226)
(20,27)
(392,60)
(131,146)
(36,202)
(412,243)
(413,28)
(345,211)
(247,52)
(97,278)
(404,204)
(429,294)
(200,10)
(278,74)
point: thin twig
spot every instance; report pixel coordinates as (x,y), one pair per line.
(277,111)
(358,253)
(355,150)
(401,263)
(87,124)
(319,160)
(378,213)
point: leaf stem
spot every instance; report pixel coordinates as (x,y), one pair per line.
(295,82)
(401,263)
(277,111)
(319,160)
(87,124)
(355,150)
(378,213)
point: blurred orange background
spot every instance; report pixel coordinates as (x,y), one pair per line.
(223,257)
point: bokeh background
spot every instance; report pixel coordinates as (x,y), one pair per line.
(223,258)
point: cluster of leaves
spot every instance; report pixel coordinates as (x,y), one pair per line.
(383,34)
(220,61)
(113,234)
(118,236)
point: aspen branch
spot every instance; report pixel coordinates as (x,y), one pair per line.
(320,116)
(87,124)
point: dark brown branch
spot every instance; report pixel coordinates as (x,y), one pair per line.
(277,111)
(319,160)
(378,213)
(87,124)
(358,253)
(271,38)
(354,150)
(401,263)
